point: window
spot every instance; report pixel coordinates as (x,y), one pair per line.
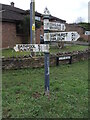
(19,29)
(37,18)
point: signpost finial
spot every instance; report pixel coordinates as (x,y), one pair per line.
(46,11)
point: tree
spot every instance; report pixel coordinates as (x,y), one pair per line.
(85,25)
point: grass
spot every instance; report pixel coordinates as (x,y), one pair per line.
(68,48)
(11,52)
(22,92)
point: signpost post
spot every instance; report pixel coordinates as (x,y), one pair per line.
(46,61)
(46,64)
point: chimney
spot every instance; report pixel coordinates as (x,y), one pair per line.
(12,4)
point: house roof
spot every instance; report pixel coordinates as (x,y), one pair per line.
(57,19)
(36,13)
(13,14)
(77,25)
(51,17)
(11,8)
(10,13)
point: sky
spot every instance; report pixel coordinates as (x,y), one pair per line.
(69,10)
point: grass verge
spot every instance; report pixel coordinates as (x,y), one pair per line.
(22,92)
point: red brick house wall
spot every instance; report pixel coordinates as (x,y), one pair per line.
(39,32)
(9,36)
(85,37)
(72,27)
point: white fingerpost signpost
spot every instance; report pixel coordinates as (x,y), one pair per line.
(54,31)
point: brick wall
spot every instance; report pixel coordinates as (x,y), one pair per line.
(28,62)
(72,27)
(38,33)
(9,38)
(85,37)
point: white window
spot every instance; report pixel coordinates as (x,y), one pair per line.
(87,32)
(37,18)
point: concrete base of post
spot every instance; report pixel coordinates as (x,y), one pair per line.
(47,93)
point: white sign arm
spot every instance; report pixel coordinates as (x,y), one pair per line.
(32,47)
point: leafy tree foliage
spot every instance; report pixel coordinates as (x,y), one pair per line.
(85,25)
